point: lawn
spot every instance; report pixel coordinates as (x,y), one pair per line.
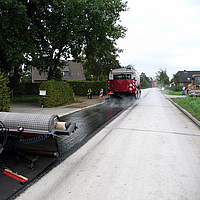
(191,104)
(172,92)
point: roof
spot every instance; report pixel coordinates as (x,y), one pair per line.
(186,76)
(74,69)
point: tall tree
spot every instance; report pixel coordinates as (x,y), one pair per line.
(100,65)
(176,79)
(44,31)
(146,83)
(15,40)
(65,27)
(162,78)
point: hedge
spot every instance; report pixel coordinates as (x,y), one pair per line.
(80,88)
(4,94)
(57,93)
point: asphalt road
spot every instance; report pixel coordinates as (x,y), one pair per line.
(151,151)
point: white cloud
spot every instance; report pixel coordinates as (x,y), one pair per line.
(161,34)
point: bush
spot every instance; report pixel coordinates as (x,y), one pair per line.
(57,93)
(80,88)
(4,94)
(176,88)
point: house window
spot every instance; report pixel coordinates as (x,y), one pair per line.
(65,74)
(181,84)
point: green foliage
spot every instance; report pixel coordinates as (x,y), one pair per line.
(39,33)
(176,79)
(4,94)
(146,83)
(15,40)
(191,104)
(57,93)
(25,98)
(99,66)
(176,88)
(80,88)
(162,78)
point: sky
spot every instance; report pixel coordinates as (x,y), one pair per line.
(162,34)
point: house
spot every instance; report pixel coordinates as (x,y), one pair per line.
(71,71)
(186,77)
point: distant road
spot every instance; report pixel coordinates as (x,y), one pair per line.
(151,151)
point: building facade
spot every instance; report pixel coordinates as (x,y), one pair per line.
(71,71)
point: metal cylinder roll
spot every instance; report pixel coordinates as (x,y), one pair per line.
(29,121)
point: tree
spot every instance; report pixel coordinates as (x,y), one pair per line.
(44,31)
(65,27)
(15,40)
(162,78)
(146,81)
(100,65)
(176,79)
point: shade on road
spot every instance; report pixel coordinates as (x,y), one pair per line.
(151,151)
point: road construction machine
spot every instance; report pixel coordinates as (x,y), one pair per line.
(124,82)
(194,86)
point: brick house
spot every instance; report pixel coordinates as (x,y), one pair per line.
(71,71)
(186,77)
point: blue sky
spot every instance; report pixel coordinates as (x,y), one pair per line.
(161,35)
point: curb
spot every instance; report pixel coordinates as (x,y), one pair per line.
(197,122)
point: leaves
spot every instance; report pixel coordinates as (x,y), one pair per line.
(39,33)
(162,77)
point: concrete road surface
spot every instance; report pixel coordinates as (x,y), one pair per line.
(151,151)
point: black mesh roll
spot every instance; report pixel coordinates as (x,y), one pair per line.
(29,121)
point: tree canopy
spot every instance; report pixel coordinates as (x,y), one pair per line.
(40,33)
(162,78)
(176,79)
(146,83)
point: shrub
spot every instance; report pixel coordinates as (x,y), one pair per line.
(80,88)
(176,88)
(4,94)
(57,93)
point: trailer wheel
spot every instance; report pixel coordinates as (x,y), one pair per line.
(3,134)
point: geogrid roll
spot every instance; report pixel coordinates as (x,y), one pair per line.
(29,121)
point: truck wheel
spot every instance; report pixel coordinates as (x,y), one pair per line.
(137,94)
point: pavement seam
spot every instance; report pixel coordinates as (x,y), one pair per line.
(161,131)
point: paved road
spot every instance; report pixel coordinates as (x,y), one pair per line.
(151,151)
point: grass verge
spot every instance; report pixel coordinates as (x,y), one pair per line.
(191,104)
(172,92)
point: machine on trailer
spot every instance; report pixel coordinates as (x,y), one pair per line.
(124,82)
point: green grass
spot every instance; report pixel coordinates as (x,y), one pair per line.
(172,92)
(191,104)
